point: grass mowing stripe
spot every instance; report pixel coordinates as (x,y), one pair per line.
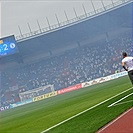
(120,100)
(84,111)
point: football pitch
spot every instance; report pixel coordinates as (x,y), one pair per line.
(81,111)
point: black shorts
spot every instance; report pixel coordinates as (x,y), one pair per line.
(130,74)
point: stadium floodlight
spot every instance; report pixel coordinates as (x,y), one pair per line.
(20,30)
(84,10)
(75,12)
(48,23)
(103,4)
(39,26)
(66,16)
(29,28)
(57,20)
(93,6)
(112,2)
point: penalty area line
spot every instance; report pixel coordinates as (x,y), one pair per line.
(44,131)
(123,103)
(120,100)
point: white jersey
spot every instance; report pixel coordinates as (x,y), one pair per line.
(128,63)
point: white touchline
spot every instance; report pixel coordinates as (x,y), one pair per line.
(114,120)
(84,111)
(119,100)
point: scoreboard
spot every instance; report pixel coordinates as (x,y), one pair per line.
(8,46)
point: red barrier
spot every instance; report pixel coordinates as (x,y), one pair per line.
(71,88)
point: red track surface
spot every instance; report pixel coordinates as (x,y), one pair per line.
(122,124)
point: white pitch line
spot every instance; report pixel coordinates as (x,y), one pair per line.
(119,100)
(123,103)
(84,111)
(114,120)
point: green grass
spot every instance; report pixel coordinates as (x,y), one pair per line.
(38,116)
(125,100)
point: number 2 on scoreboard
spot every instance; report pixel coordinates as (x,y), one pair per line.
(5,47)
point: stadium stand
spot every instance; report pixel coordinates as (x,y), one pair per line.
(79,53)
(71,67)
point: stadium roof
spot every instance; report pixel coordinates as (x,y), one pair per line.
(73,21)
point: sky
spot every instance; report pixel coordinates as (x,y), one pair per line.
(20,13)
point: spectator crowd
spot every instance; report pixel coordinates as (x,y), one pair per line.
(84,63)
